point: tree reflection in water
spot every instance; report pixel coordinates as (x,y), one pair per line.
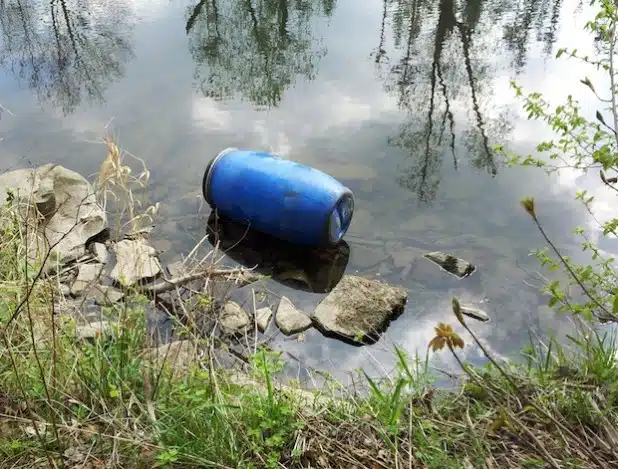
(65,50)
(254,48)
(436,89)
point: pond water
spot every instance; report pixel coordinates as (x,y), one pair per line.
(400,100)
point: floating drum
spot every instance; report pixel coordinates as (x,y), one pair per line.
(285,199)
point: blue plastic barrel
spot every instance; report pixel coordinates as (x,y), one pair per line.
(285,199)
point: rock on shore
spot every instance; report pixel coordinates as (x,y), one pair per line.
(289,319)
(63,201)
(359,309)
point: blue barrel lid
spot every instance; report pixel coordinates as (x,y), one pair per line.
(340,218)
(208,172)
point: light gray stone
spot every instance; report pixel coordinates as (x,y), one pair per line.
(65,290)
(451,264)
(135,261)
(99,251)
(68,307)
(179,354)
(359,309)
(262,317)
(92,330)
(177,269)
(289,319)
(234,319)
(104,295)
(67,207)
(87,276)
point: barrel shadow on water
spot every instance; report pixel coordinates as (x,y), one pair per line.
(311,270)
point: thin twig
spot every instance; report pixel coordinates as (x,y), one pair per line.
(31,413)
(170,284)
(540,445)
(612,45)
(546,414)
(6,110)
(568,267)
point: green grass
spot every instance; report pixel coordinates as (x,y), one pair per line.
(111,403)
(106,403)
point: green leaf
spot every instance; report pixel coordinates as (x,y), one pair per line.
(615,306)
(374,387)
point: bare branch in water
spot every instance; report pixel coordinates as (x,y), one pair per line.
(170,284)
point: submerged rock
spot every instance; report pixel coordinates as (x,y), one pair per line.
(68,212)
(234,319)
(359,309)
(135,261)
(453,265)
(289,319)
(262,317)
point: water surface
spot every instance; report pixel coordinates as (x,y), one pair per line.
(403,101)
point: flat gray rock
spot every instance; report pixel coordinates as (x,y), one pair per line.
(135,261)
(99,251)
(289,319)
(453,265)
(66,202)
(92,330)
(262,317)
(104,295)
(179,354)
(87,276)
(359,309)
(65,290)
(177,269)
(234,319)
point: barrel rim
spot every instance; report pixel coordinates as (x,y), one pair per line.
(208,174)
(347,194)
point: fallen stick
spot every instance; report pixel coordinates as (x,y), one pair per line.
(166,285)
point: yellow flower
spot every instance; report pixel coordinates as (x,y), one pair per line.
(445,335)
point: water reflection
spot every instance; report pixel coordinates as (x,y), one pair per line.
(63,49)
(529,16)
(433,87)
(255,49)
(310,270)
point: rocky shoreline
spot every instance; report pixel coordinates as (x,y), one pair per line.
(94,271)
